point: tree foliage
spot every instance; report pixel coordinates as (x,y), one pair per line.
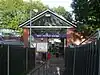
(87,14)
(14,12)
(61,11)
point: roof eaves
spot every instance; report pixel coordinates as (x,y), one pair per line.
(61,17)
(48,10)
(33,18)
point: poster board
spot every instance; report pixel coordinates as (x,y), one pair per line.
(42,47)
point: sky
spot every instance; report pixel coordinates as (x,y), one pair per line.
(55,3)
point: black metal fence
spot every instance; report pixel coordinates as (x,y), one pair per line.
(3,60)
(83,60)
(16,60)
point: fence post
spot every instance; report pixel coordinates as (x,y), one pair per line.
(96,57)
(74,59)
(98,50)
(8,60)
(39,71)
(26,58)
(99,56)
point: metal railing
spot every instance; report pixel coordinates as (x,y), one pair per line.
(39,70)
(83,60)
(16,60)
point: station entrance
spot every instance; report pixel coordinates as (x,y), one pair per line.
(55,42)
(48,30)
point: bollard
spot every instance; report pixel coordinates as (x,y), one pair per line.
(58,70)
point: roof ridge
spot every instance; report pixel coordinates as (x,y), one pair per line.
(48,10)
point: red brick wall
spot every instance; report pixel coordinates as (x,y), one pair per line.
(25,36)
(69,36)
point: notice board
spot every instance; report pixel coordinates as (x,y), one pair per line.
(42,47)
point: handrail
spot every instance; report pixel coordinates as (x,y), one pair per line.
(36,69)
(88,38)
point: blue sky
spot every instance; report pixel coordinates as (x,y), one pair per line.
(55,3)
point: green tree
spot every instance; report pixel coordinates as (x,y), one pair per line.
(61,11)
(14,12)
(86,11)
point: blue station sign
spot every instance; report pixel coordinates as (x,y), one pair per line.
(49,35)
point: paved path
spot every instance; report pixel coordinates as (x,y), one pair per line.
(56,63)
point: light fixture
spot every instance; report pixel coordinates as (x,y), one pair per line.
(47,15)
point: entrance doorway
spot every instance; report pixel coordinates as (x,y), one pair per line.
(46,25)
(56,42)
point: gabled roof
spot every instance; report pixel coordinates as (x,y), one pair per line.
(39,16)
